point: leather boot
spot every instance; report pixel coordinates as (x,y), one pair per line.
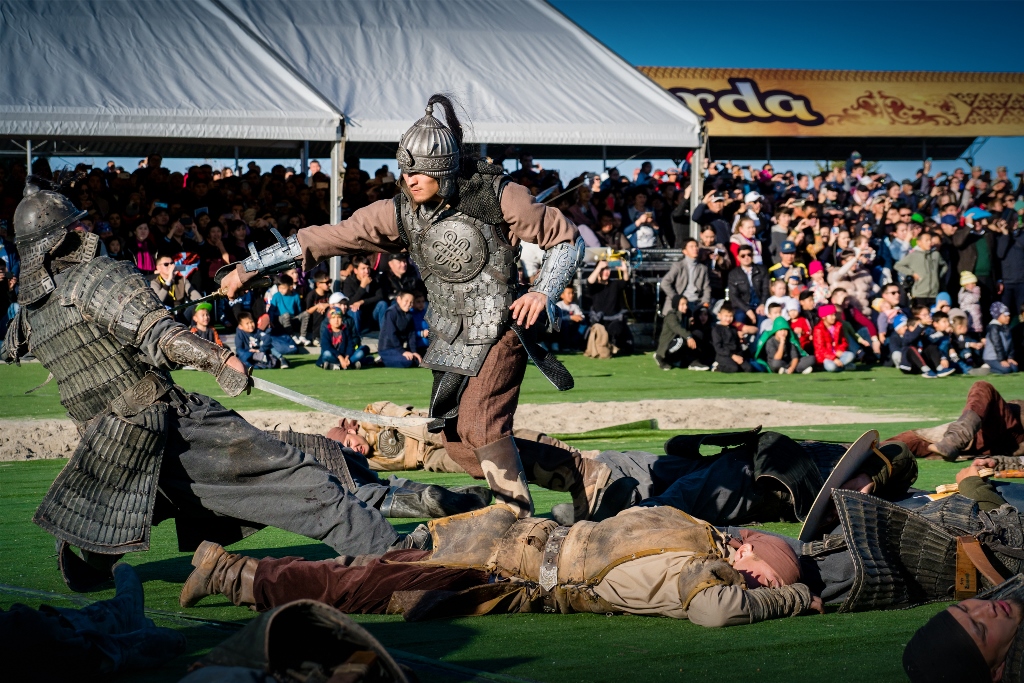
(417,539)
(219,572)
(958,436)
(433,501)
(503,470)
(558,469)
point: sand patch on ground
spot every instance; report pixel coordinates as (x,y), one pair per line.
(48,438)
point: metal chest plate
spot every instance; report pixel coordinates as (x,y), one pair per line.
(454,250)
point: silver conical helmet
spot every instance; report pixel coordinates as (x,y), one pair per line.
(430,148)
(41,223)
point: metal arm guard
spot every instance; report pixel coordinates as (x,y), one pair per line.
(185,348)
(559,268)
(773,603)
(276,259)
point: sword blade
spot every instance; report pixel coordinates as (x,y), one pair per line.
(324,407)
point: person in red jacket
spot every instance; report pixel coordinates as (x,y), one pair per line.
(830,346)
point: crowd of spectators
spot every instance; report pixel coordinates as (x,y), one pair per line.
(791,273)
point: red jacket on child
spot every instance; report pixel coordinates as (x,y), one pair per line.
(829,342)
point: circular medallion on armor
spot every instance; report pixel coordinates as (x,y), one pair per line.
(454,251)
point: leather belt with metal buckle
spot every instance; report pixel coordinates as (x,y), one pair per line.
(548,578)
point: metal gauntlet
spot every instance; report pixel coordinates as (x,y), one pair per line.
(559,268)
(276,259)
(182,347)
(773,603)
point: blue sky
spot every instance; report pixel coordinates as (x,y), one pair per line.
(969,35)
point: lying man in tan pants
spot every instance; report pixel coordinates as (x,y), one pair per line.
(646,560)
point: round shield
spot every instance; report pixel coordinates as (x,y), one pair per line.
(454,251)
(843,471)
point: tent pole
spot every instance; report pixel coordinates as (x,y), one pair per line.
(604,158)
(238,169)
(337,180)
(304,159)
(696,184)
(28,157)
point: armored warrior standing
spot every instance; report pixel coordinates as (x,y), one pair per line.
(149,449)
(461,220)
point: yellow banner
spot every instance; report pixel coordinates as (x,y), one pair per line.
(804,103)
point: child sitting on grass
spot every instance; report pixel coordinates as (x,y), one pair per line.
(201,326)
(831,348)
(253,347)
(285,307)
(726,342)
(998,353)
(937,343)
(965,350)
(337,347)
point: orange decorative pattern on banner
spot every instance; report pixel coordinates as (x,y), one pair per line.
(808,103)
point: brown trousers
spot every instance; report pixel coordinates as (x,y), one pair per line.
(1001,431)
(488,403)
(363,587)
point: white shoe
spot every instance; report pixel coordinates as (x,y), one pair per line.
(714,366)
(808,371)
(782,371)
(297,340)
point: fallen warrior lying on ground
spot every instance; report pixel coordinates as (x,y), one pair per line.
(989,425)
(646,560)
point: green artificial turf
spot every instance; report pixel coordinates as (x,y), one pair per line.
(540,647)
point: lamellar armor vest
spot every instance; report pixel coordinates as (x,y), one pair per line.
(89,333)
(469,269)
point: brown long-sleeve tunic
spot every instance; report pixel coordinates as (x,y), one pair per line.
(374,228)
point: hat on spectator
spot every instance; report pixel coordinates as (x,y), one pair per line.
(337,298)
(967,277)
(826,309)
(956,313)
(815,267)
(396,257)
(752,197)
(976,213)
(907,181)
(998,308)
(863,188)
(876,304)
(336,310)
(832,186)
(899,321)
(940,298)
(204,306)
(791,304)
(917,218)
(788,247)
(949,220)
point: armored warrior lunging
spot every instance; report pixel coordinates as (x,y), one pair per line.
(461,220)
(149,449)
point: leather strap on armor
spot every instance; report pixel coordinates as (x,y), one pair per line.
(829,544)
(143,394)
(276,259)
(773,603)
(185,348)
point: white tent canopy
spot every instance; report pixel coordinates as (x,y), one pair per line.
(121,69)
(286,70)
(524,72)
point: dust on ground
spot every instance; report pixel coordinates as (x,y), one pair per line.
(29,439)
